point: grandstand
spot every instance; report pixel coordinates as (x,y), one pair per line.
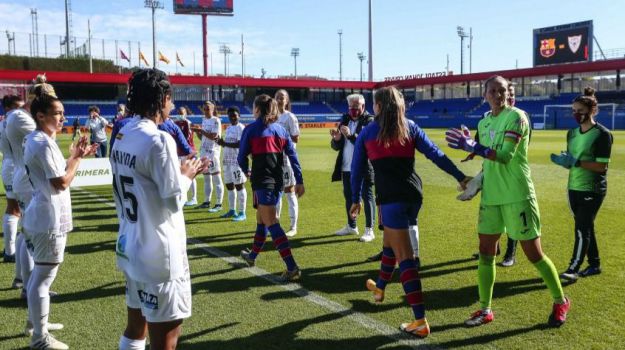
(435,102)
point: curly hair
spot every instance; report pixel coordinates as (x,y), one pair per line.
(147,89)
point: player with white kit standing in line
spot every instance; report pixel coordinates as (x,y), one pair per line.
(233,175)
(208,133)
(19,125)
(48,217)
(288,121)
(12,214)
(149,184)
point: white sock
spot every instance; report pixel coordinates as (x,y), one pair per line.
(241,200)
(27,262)
(291,197)
(18,256)
(232,197)
(194,190)
(131,344)
(279,207)
(39,296)
(208,187)
(413,233)
(9,227)
(219,189)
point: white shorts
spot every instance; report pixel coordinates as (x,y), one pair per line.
(160,302)
(289,177)
(23,199)
(213,159)
(7,177)
(234,175)
(48,247)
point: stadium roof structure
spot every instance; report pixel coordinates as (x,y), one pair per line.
(112,78)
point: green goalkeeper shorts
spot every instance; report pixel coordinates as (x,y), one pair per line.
(520,220)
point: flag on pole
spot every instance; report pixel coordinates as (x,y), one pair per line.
(123,56)
(162,57)
(178,59)
(142,58)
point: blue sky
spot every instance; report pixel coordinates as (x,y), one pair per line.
(410,36)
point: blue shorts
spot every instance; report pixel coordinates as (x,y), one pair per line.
(399,215)
(266,197)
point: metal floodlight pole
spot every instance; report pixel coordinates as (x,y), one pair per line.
(470,50)
(361,57)
(225,49)
(152,4)
(340,33)
(295,53)
(66,30)
(89,41)
(370,45)
(462,34)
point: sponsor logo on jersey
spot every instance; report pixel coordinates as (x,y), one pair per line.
(148,300)
(574,42)
(119,136)
(547,47)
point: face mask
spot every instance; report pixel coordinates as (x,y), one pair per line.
(580,117)
(354,112)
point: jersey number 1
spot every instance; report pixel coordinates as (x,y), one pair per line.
(129,213)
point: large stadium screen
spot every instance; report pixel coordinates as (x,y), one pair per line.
(563,44)
(210,7)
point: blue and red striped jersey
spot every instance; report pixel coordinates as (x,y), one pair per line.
(394,167)
(268,144)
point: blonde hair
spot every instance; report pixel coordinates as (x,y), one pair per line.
(41,87)
(391,116)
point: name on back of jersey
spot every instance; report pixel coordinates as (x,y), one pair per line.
(124,158)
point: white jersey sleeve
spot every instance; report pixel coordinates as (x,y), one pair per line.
(165,168)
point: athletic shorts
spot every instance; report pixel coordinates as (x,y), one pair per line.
(520,220)
(266,197)
(23,199)
(7,178)
(213,161)
(289,177)
(48,247)
(160,302)
(234,175)
(399,215)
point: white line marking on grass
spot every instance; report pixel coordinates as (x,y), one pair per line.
(314,298)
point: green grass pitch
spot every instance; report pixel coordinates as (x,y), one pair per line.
(239,308)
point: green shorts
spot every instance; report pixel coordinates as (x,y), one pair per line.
(520,220)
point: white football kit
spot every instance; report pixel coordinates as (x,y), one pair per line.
(210,148)
(7,161)
(19,125)
(232,172)
(289,121)
(48,217)
(151,243)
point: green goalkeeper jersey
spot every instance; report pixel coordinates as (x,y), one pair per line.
(594,145)
(508,178)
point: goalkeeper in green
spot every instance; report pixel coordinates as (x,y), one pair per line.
(508,202)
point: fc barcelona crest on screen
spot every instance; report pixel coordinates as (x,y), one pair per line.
(547,47)
(574,42)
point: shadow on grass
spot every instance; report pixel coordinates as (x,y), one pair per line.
(285,336)
(488,338)
(91,247)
